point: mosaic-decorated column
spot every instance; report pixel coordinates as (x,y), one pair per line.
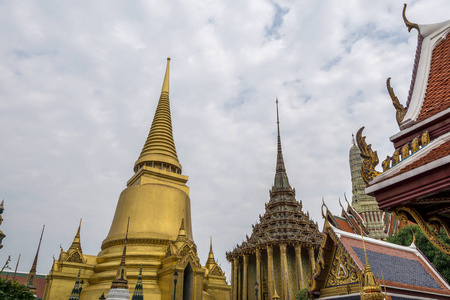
(235,279)
(233,286)
(245,279)
(311,258)
(284,272)
(298,258)
(258,272)
(270,270)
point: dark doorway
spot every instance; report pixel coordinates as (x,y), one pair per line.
(188,282)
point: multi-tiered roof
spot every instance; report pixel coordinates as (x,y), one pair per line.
(283,221)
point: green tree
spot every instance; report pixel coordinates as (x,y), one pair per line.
(438,259)
(302,294)
(12,290)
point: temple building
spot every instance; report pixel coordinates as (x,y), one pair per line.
(159,240)
(278,257)
(363,215)
(415,181)
(396,272)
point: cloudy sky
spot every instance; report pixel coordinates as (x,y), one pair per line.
(80,80)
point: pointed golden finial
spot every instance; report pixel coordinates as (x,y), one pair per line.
(120,281)
(165,87)
(159,149)
(211,261)
(371,289)
(408,23)
(31,277)
(321,209)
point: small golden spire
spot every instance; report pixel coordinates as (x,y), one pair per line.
(76,244)
(31,277)
(211,261)
(371,289)
(121,282)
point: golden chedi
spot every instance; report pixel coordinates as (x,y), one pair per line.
(157,202)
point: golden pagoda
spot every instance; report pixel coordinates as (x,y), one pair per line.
(371,289)
(159,236)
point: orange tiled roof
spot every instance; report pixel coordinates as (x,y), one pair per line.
(343,224)
(438,89)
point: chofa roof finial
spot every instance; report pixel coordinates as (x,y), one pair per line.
(408,23)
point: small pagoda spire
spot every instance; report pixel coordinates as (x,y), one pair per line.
(159,149)
(76,291)
(121,282)
(31,277)
(371,288)
(281,181)
(76,244)
(182,232)
(138,290)
(211,261)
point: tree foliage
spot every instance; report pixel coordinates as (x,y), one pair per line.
(302,294)
(438,259)
(13,290)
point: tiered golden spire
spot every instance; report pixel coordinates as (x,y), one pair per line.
(281,181)
(159,149)
(76,244)
(121,282)
(211,261)
(371,289)
(31,277)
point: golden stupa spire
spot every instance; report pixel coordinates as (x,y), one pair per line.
(159,149)
(211,261)
(76,244)
(31,277)
(371,289)
(121,282)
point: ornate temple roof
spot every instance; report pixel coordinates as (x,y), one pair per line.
(402,271)
(402,267)
(283,220)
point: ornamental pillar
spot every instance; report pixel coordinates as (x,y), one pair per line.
(235,279)
(245,279)
(284,272)
(311,258)
(270,271)
(298,258)
(233,287)
(258,272)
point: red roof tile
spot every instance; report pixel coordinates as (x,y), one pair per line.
(343,224)
(438,89)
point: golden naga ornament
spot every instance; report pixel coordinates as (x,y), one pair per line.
(400,109)
(370,158)
(434,223)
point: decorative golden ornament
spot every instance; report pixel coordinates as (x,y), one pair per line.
(408,23)
(425,138)
(405,152)
(401,213)
(370,158)
(395,157)
(386,163)
(399,108)
(415,145)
